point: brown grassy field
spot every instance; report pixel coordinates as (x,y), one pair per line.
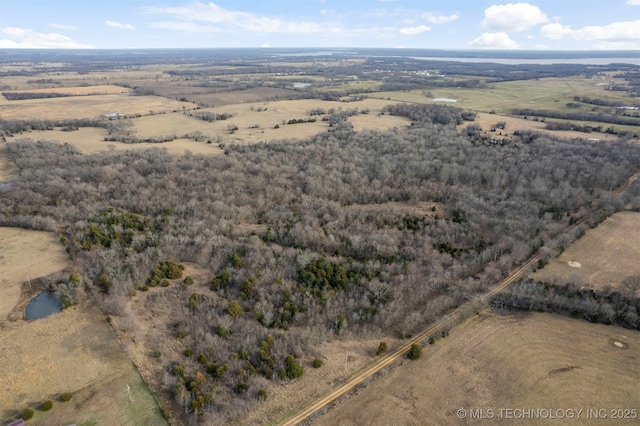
(603,257)
(73,351)
(570,364)
(487,121)
(90,140)
(94,106)
(25,255)
(78,91)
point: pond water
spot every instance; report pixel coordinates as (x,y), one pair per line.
(43,305)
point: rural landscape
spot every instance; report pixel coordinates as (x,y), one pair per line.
(331,237)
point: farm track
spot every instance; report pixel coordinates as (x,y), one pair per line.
(455,317)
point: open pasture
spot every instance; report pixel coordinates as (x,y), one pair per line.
(570,364)
(72,351)
(502,97)
(108,89)
(25,255)
(488,121)
(93,106)
(603,257)
(256,121)
(90,140)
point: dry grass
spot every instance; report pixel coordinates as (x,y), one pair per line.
(544,93)
(256,121)
(603,257)
(73,351)
(488,121)
(25,255)
(569,364)
(78,91)
(94,106)
(90,140)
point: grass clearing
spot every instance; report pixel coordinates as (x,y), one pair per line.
(487,121)
(603,257)
(570,364)
(91,106)
(77,91)
(502,97)
(25,255)
(72,351)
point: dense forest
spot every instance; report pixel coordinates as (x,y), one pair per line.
(345,234)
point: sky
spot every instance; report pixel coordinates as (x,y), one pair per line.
(452,24)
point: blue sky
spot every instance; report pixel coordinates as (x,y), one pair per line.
(453,24)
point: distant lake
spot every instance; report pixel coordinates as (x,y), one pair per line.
(541,61)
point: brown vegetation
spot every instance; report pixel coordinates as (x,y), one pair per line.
(570,364)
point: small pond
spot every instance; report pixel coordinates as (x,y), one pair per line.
(43,305)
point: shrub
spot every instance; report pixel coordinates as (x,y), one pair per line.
(317,363)
(293,370)
(66,396)
(47,405)
(415,351)
(188,352)
(382,348)
(234,309)
(156,353)
(262,394)
(27,413)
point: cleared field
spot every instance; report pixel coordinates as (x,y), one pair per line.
(603,257)
(25,255)
(87,107)
(256,121)
(73,351)
(487,121)
(90,140)
(570,364)
(547,93)
(77,91)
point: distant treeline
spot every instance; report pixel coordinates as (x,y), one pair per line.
(19,96)
(580,116)
(609,307)
(599,102)
(12,127)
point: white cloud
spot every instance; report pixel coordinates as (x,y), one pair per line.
(494,41)
(114,24)
(439,19)
(63,27)
(224,20)
(514,17)
(555,31)
(414,30)
(633,2)
(23,38)
(617,35)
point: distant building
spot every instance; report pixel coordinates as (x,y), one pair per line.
(114,115)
